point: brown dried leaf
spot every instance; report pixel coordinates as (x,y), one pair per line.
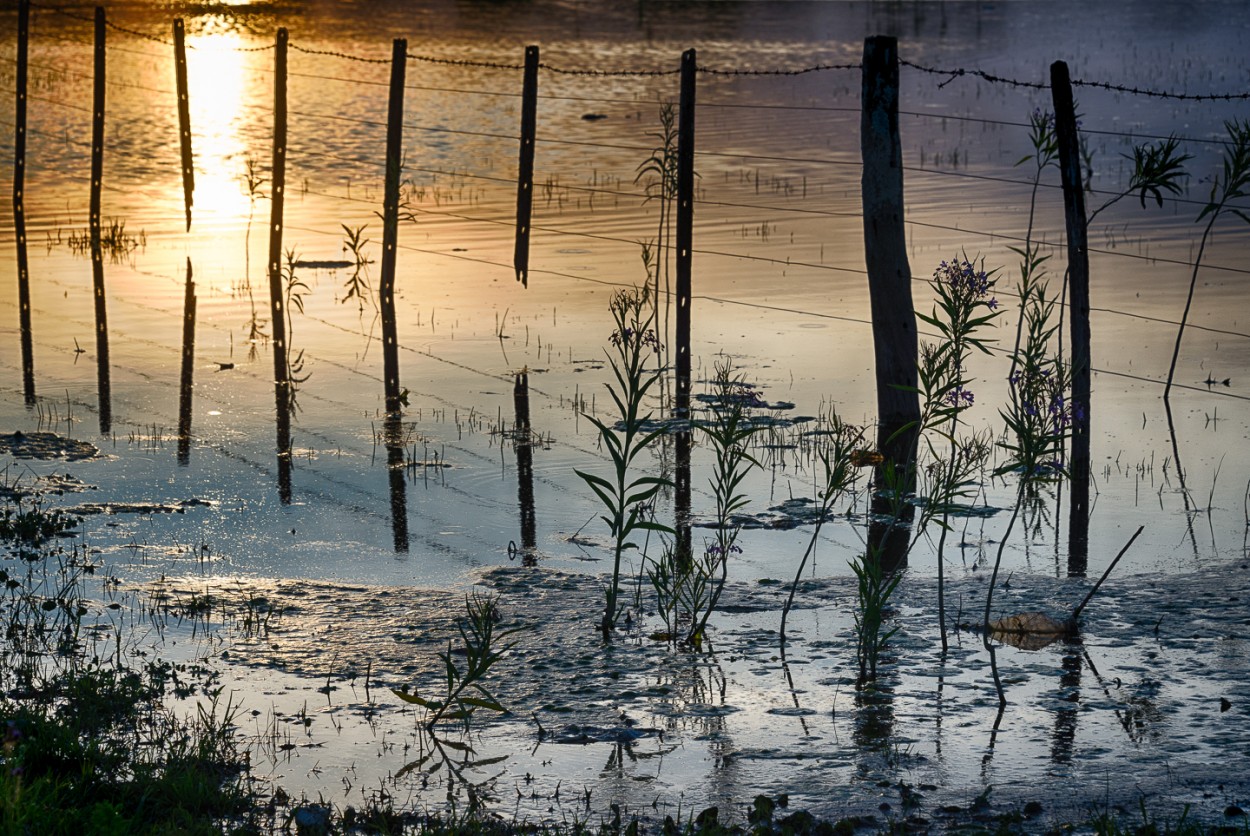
(1028,631)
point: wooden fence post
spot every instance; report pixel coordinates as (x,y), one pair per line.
(19,205)
(885,250)
(390,225)
(1078,313)
(525,168)
(276,201)
(184,116)
(277,306)
(685,225)
(186,381)
(895,342)
(103,384)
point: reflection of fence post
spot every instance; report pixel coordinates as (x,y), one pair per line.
(184,115)
(393,428)
(685,225)
(97,252)
(1078,312)
(522,442)
(19,206)
(889,288)
(188,371)
(525,168)
(390,225)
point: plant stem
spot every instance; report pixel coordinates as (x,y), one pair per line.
(1193,281)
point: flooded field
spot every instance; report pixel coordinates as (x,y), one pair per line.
(314,583)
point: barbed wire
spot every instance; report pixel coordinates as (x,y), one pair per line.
(1076,82)
(915,279)
(110,24)
(817,68)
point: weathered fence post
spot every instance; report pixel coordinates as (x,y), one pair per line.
(103,384)
(1078,313)
(188,370)
(525,168)
(889,289)
(19,205)
(685,225)
(184,115)
(277,306)
(390,225)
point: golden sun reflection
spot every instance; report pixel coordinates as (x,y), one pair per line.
(217,88)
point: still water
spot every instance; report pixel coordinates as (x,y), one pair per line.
(778,280)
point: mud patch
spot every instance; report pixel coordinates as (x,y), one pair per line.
(46,447)
(91,508)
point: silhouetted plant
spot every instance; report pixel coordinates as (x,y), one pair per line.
(624,497)
(840,460)
(1232,183)
(729,431)
(1039,417)
(357,285)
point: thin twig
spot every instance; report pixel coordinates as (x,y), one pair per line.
(1077,612)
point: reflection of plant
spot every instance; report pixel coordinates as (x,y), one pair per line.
(463,689)
(1231,184)
(357,285)
(625,498)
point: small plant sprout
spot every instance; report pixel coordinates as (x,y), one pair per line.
(874,588)
(840,459)
(463,689)
(624,497)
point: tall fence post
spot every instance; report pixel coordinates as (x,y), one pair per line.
(277,306)
(390,225)
(525,167)
(103,384)
(685,225)
(186,381)
(1078,313)
(184,115)
(19,205)
(889,288)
